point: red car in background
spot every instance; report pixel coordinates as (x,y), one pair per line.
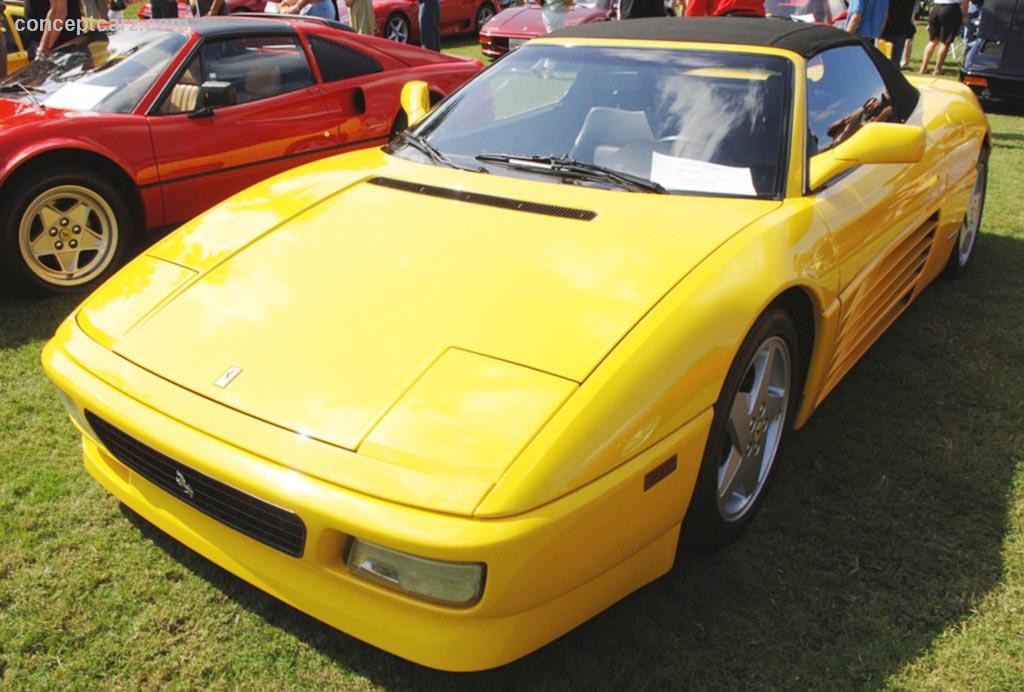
(118,132)
(185,11)
(831,12)
(398,20)
(515,26)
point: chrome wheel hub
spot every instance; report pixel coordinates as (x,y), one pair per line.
(67,235)
(397,30)
(972,220)
(754,429)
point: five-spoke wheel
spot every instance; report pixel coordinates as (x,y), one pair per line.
(971,226)
(396,28)
(62,230)
(756,404)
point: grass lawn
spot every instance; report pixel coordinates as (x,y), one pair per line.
(890,553)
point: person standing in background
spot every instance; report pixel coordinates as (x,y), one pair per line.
(724,8)
(899,28)
(208,8)
(361,14)
(944,23)
(867,17)
(51,14)
(430,24)
(634,9)
(163,9)
(324,9)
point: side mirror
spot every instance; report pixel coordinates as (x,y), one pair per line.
(212,95)
(415,101)
(872,143)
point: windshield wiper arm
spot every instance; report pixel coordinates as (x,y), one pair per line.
(435,154)
(565,166)
(15,86)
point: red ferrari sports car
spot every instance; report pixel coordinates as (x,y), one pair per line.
(398,20)
(143,128)
(515,26)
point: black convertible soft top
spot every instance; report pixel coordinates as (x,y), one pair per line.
(805,39)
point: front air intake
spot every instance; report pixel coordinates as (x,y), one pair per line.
(486,200)
(256,518)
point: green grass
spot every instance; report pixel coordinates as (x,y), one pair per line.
(890,553)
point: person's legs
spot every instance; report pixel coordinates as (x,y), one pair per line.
(926,58)
(908,50)
(363,19)
(951,21)
(430,30)
(897,50)
(940,57)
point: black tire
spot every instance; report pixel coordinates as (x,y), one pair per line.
(483,14)
(704,527)
(959,261)
(404,21)
(20,272)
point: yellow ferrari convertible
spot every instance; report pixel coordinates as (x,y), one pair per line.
(456,396)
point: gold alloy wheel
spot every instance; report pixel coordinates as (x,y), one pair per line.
(68,235)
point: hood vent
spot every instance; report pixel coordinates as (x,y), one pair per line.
(486,200)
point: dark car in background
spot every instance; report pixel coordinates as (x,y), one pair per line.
(994,64)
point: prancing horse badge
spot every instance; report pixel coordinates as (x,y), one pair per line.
(229,375)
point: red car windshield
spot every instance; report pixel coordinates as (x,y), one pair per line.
(105,72)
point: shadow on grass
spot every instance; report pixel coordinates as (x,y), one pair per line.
(884,528)
(24,319)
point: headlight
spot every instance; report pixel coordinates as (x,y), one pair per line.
(450,583)
(76,414)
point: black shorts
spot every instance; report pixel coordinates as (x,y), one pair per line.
(944,22)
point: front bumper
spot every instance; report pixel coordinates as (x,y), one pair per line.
(547,570)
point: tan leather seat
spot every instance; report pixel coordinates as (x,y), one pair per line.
(184,98)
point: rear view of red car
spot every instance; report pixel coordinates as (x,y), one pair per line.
(121,132)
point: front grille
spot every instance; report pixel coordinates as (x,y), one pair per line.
(262,521)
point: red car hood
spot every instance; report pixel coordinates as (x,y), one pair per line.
(16,114)
(527,20)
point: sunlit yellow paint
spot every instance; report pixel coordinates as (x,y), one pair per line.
(468,383)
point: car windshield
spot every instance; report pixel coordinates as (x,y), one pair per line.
(704,122)
(106,72)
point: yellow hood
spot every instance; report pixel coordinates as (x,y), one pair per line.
(336,310)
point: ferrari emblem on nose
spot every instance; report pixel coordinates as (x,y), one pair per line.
(179,478)
(229,375)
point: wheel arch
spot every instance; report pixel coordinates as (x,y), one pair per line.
(799,303)
(41,161)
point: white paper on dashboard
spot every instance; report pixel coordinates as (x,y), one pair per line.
(677,173)
(81,97)
(806,18)
(272,8)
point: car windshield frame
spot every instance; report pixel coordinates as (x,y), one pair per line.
(426,129)
(65,79)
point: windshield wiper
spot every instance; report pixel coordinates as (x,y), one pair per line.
(435,154)
(16,86)
(567,167)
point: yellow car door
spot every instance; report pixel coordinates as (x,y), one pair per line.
(879,214)
(17,56)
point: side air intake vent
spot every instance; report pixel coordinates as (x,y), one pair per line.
(486,200)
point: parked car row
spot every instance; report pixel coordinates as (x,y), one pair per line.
(179,117)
